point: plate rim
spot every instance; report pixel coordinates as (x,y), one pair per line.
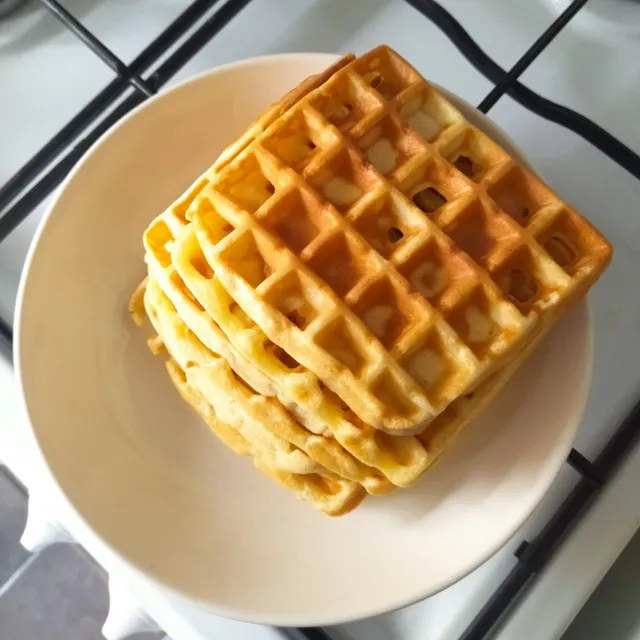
(245,615)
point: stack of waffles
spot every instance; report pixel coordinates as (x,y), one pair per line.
(355,279)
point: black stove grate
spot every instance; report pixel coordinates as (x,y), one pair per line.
(37,179)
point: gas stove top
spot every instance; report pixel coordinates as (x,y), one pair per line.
(557,75)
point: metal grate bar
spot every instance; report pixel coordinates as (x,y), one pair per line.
(54,177)
(304,633)
(545,108)
(531,54)
(101,102)
(584,467)
(565,117)
(537,554)
(23,207)
(625,438)
(6,339)
(99,48)
(198,40)
(496,608)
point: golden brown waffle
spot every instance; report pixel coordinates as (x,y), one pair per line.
(363,265)
(317,230)
(448,425)
(285,463)
(205,306)
(174,216)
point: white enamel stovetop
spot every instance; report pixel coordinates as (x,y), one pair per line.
(46,76)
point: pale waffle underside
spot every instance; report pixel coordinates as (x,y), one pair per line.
(285,463)
(264,416)
(325,494)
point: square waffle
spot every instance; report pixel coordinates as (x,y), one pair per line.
(362,271)
(428,255)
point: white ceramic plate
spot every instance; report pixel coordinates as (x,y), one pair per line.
(147,476)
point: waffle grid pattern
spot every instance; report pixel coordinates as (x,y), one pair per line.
(381,333)
(370,268)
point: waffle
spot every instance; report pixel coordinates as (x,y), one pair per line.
(276,110)
(448,426)
(401,459)
(175,216)
(264,417)
(362,272)
(202,388)
(204,305)
(326,493)
(390,247)
(284,463)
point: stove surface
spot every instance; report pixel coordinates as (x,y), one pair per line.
(49,76)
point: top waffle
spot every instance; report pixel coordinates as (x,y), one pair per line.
(385,244)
